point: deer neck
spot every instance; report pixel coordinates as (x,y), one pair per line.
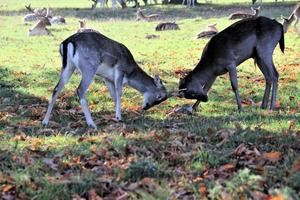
(140,80)
(203,73)
(141,14)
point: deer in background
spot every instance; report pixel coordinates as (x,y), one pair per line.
(103,3)
(189,3)
(92,53)
(163,26)
(210,31)
(253,38)
(244,15)
(40,28)
(35,14)
(140,16)
(82,27)
(295,16)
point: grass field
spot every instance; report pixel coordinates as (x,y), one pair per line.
(216,153)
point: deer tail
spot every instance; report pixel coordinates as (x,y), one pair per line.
(281,41)
(63,49)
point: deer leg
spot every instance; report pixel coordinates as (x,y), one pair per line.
(297,20)
(81,90)
(111,88)
(207,86)
(118,91)
(275,77)
(266,72)
(64,77)
(234,85)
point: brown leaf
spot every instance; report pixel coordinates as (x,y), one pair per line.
(295,166)
(203,190)
(7,188)
(277,197)
(273,156)
(240,149)
(227,167)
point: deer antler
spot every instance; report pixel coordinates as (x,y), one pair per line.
(47,12)
(29,8)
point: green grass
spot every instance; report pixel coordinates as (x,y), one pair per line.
(184,152)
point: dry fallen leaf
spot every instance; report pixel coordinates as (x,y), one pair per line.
(295,166)
(273,156)
(93,195)
(277,197)
(7,188)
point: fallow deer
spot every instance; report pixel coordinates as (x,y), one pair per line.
(35,14)
(244,15)
(210,31)
(92,53)
(82,27)
(57,20)
(167,26)
(253,38)
(295,16)
(189,3)
(141,16)
(40,28)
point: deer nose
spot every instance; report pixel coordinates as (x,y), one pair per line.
(146,107)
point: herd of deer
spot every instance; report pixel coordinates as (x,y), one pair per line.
(44,19)
(91,53)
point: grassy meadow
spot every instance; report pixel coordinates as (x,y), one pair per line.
(216,153)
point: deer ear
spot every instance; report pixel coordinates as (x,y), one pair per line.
(157,81)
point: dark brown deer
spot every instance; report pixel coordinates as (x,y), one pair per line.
(210,31)
(253,38)
(244,15)
(163,26)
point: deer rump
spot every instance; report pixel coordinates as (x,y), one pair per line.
(249,38)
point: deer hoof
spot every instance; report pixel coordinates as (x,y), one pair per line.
(117,119)
(93,126)
(44,123)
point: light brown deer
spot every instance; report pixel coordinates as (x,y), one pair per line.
(141,16)
(210,31)
(40,28)
(244,15)
(294,16)
(82,27)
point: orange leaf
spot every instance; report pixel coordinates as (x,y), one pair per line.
(7,188)
(278,197)
(202,190)
(227,167)
(273,156)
